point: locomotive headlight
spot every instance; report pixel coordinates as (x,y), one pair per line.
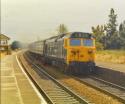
(90,51)
(73,52)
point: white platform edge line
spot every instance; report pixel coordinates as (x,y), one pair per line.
(18,89)
(35,89)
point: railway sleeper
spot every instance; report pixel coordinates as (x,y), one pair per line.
(51,94)
(65,102)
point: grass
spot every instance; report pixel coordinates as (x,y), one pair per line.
(113,56)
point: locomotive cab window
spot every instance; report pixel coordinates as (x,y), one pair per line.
(88,42)
(75,42)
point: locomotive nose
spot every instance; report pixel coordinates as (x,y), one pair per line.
(74,52)
(90,51)
(82,54)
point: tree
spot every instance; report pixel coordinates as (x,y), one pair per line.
(62,29)
(16,45)
(122,30)
(112,39)
(108,35)
(122,34)
(99,32)
(112,25)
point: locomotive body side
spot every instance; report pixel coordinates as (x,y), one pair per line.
(54,51)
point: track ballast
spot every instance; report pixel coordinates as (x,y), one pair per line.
(54,91)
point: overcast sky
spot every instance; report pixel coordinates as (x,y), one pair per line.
(28,20)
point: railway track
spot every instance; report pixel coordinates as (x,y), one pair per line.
(54,91)
(111,89)
(106,87)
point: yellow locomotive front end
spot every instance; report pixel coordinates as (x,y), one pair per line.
(80,52)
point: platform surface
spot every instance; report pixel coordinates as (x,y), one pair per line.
(15,86)
(112,66)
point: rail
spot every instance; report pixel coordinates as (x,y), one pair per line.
(56,92)
(109,88)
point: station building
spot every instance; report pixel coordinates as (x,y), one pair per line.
(4,46)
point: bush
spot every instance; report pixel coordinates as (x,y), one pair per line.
(99,46)
(16,45)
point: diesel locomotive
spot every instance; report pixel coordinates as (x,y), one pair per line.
(73,52)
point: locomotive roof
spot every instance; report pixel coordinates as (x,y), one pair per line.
(55,38)
(66,35)
(61,36)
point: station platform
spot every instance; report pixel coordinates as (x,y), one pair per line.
(112,66)
(16,88)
